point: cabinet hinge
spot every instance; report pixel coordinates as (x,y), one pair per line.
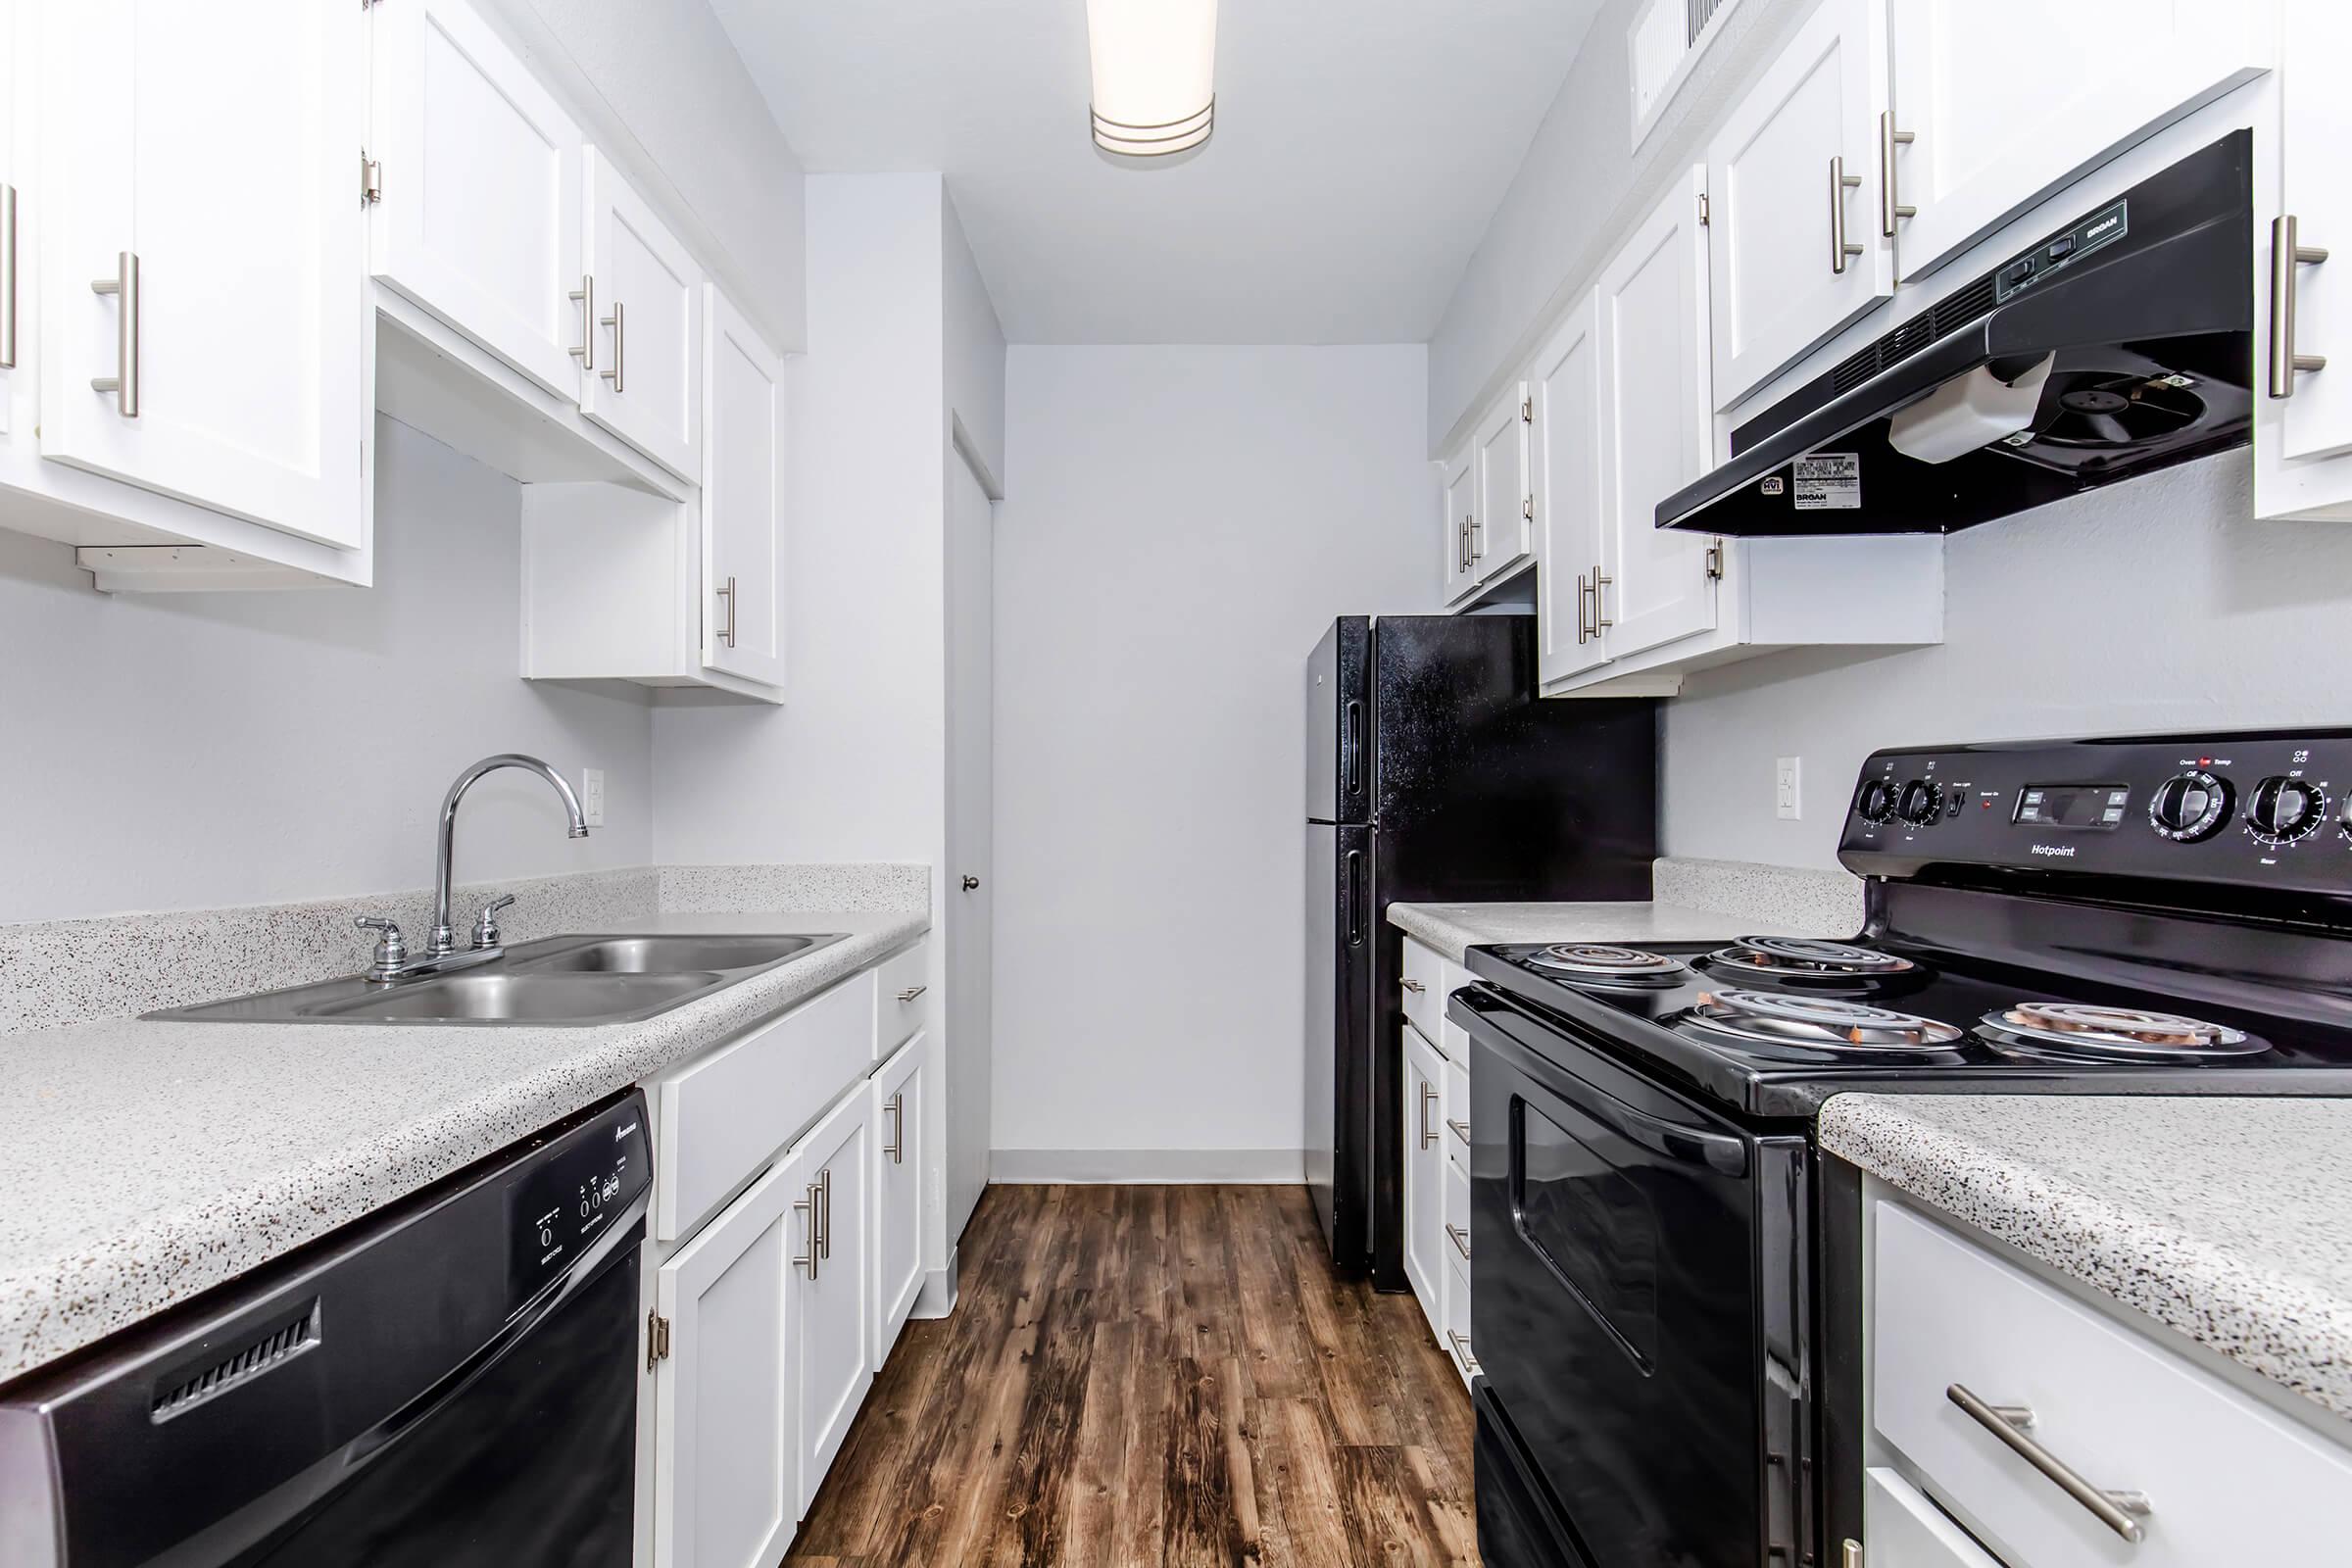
(1527,410)
(1702,208)
(656,1339)
(372,179)
(1714,559)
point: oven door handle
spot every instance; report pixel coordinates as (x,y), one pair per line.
(1722,1152)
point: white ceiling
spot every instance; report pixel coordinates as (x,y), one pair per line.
(1360,147)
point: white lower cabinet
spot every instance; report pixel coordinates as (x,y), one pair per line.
(832,1284)
(1425,1177)
(726,1491)
(1907,1531)
(896,1099)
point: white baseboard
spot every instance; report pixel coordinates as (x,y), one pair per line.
(937,1297)
(1257,1167)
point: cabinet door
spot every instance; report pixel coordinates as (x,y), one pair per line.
(743,498)
(1502,503)
(2315,418)
(1565,447)
(1654,586)
(1457,509)
(207,177)
(1797,248)
(724,1412)
(1902,1529)
(832,1291)
(898,1120)
(479,220)
(1425,1176)
(1996,122)
(648,384)
(16,299)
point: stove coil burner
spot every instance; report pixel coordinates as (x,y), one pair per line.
(1603,964)
(1807,958)
(1764,1017)
(2083,1029)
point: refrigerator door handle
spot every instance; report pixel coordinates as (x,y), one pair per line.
(1355,891)
(1351,746)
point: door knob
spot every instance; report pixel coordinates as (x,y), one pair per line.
(971,884)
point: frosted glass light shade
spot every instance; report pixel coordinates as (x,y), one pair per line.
(1155,73)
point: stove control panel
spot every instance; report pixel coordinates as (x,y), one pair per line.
(2262,810)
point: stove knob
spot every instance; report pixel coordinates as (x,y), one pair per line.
(2188,807)
(1919,804)
(1874,801)
(2282,809)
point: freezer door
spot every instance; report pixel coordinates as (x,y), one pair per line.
(1338,735)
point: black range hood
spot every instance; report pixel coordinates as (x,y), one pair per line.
(2117,346)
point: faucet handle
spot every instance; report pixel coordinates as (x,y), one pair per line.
(485,929)
(391,952)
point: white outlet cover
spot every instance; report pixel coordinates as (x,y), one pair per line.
(592,796)
(1787,787)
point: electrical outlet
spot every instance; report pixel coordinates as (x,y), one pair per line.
(592,796)
(1786,778)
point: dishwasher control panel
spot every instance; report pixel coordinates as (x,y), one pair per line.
(573,1191)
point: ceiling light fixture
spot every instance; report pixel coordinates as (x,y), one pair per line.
(1154,70)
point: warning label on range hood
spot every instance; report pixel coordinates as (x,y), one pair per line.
(1828,481)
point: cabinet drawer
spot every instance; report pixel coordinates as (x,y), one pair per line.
(2228,1479)
(1457,1098)
(1457,1213)
(1458,1319)
(903,1004)
(723,1116)
(1424,987)
(1902,1529)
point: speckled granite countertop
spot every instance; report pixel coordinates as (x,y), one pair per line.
(1451,928)
(2229,1220)
(147,1162)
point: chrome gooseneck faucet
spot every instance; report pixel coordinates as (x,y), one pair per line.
(392,960)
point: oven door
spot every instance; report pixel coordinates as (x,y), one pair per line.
(1638,1301)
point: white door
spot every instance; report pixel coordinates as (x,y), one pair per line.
(1995,125)
(1425,1176)
(898,1117)
(479,220)
(971,850)
(207,178)
(723,1446)
(16,299)
(647,387)
(1565,450)
(743,497)
(2316,416)
(1654,586)
(1457,508)
(832,1288)
(1502,502)
(1797,248)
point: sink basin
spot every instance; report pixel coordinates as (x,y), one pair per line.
(573,980)
(625,955)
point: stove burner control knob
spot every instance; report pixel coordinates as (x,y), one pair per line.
(1919,804)
(1874,801)
(2190,806)
(2282,809)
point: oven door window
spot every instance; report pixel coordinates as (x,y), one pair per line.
(1593,1227)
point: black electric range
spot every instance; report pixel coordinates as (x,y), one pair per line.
(2146,915)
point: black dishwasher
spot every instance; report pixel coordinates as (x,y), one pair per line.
(451,1381)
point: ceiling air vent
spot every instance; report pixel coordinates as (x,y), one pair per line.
(187,1386)
(1666,38)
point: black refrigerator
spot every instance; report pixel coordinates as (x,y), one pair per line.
(1436,775)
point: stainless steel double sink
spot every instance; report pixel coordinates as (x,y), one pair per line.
(575,980)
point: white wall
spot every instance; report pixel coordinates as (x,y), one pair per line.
(180,752)
(2156,604)
(1179,526)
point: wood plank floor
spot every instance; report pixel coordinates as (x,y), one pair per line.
(1153,1375)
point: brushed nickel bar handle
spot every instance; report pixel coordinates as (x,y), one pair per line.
(7,277)
(585,295)
(2119,1511)
(727,635)
(895,1149)
(1478,539)
(1429,1134)
(808,1207)
(1461,1351)
(2286,254)
(1415,987)
(124,382)
(1600,622)
(1891,205)
(824,1198)
(618,322)
(1461,1239)
(1461,1129)
(1840,249)
(912,992)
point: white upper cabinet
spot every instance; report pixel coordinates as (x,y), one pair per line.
(1565,443)
(1502,503)
(1654,586)
(202,258)
(1457,509)
(744,498)
(2303,306)
(1989,117)
(480,180)
(646,385)
(1792,176)
(16,299)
